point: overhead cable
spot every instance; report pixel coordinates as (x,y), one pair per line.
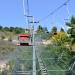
(54,11)
(23,7)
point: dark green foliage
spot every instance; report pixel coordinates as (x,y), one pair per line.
(61,30)
(73,20)
(39,29)
(11,29)
(42,32)
(6,28)
(53,32)
(54,29)
(71,30)
(1,27)
(16,30)
(71,23)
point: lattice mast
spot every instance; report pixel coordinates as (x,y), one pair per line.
(27,14)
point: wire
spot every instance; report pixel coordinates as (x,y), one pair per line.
(54,11)
(26,11)
(68,12)
(26,14)
(27,7)
(23,7)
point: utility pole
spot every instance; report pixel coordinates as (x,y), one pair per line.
(34,51)
(26,13)
(33,43)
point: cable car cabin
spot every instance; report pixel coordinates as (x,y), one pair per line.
(24,39)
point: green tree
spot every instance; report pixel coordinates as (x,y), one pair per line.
(54,30)
(71,24)
(60,39)
(19,30)
(6,28)
(11,29)
(71,30)
(39,29)
(61,30)
(60,49)
(1,27)
(42,32)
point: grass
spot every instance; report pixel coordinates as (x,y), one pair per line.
(19,60)
(6,48)
(50,64)
(23,62)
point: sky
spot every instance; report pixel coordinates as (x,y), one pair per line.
(12,14)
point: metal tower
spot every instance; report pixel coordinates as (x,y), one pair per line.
(27,15)
(30,23)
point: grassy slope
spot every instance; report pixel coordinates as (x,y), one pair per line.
(23,55)
(5,48)
(50,64)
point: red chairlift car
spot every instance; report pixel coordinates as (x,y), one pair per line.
(24,39)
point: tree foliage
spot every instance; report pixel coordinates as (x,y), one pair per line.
(54,30)
(60,49)
(42,32)
(6,28)
(16,30)
(39,29)
(61,30)
(60,38)
(71,30)
(1,27)
(71,24)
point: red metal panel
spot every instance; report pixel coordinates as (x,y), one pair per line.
(24,35)
(24,38)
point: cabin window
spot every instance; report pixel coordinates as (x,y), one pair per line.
(23,37)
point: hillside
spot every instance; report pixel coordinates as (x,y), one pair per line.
(8,33)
